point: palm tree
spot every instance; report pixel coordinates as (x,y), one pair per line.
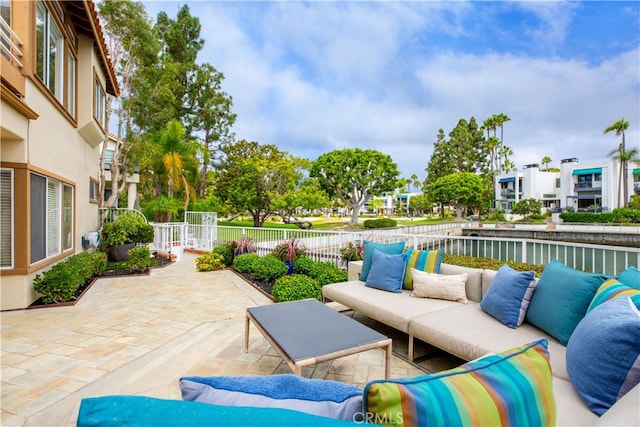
(620,154)
(500,120)
(416,182)
(175,148)
(545,161)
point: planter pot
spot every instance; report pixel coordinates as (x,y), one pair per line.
(120,253)
(289,266)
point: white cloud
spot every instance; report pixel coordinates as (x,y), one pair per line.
(313,77)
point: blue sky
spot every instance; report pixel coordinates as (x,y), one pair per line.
(311,77)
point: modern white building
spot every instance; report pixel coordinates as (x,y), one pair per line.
(589,186)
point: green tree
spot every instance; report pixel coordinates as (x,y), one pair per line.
(545,161)
(253,177)
(527,207)
(464,151)
(303,195)
(620,154)
(131,43)
(376,205)
(419,204)
(417,184)
(352,173)
(462,190)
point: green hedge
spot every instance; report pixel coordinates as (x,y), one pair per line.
(244,263)
(616,216)
(380,223)
(489,263)
(60,283)
(268,268)
(296,287)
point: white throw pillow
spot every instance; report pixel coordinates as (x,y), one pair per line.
(442,286)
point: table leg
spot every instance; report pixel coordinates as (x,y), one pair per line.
(387,366)
(246,334)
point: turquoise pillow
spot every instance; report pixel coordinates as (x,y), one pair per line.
(387,271)
(630,277)
(561,299)
(511,388)
(423,260)
(370,247)
(149,411)
(509,296)
(603,354)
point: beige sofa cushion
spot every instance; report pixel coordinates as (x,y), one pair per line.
(442,286)
(393,309)
(474,279)
(468,332)
(570,411)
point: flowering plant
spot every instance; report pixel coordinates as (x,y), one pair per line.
(351,252)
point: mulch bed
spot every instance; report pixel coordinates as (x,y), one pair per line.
(161,262)
(263,287)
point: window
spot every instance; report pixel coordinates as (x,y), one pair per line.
(597,177)
(93,190)
(558,182)
(49,52)
(71,84)
(6,218)
(99,108)
(51,217)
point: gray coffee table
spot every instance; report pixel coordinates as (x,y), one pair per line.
(308,332)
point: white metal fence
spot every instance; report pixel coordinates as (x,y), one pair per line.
(325,245)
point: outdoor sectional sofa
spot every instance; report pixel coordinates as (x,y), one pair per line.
(466,331)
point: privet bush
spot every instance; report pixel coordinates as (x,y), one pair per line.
(210,261)
(269,268)
(244,263)
(618,216)
(296,287)
(380,223)
(60,283)
(489,263)
(325,273)
(303,265)
(139,259)
(226,251)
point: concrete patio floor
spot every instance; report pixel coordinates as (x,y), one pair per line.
(138,335)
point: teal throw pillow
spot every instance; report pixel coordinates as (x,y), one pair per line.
(561,299)
(387,271)
(367,254)
(603,354)
(509,296)
(630,277)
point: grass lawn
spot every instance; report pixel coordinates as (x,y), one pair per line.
(331,223)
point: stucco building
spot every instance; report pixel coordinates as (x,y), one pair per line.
(56,74)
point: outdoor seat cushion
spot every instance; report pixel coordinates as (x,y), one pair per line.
(468,332)
(393,309)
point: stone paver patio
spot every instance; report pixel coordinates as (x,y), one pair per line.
(138,335)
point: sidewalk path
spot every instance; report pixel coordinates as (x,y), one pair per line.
(138,335)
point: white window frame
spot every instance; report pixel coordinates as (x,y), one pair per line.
(71,83)
(8,229)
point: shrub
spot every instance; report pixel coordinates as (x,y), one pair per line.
(244,263)
(380,223)
(495,215)
(226,251)
(60,283)
(296,287)
(351,252)
(289,250)
(527,207)
(303,265)
(326,272)
(129,227)
(210,261)
(139,259)
(269,268)
(625,215)
(243,246)
(489,263)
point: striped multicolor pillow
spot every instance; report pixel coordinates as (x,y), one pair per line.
(510,388)
(611,289)
(422,260)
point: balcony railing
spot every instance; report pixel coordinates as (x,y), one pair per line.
(10,44)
